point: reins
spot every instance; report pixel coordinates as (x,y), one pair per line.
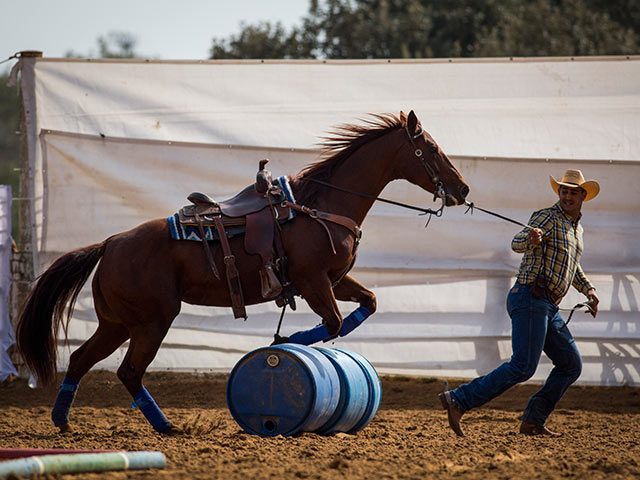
(439,191)
(425,211)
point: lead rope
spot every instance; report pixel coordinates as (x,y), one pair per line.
(575,307)
(425,211)
(471,207)
(439,193)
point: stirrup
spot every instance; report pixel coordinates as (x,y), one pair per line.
(269,282)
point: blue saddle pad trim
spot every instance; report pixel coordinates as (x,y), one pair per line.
(192,232)
(187,232)
(283,181)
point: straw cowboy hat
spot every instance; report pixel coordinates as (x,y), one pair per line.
(573,179)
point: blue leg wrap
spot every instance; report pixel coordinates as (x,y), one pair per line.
(319,333)
(66,394)
(354,320)
(307,337)
(151,411)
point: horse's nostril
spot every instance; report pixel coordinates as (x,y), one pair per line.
(464,191)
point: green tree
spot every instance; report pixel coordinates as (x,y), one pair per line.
(115,44)
(10,141)
(371,28)
(545,28)
(337,29)
(264,40)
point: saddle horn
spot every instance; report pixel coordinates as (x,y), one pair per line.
(263,178)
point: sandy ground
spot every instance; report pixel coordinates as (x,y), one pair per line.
(408,438)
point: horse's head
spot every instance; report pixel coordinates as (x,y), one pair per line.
(426,165)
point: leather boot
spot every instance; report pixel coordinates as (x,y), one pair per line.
(454,414)
(528,428)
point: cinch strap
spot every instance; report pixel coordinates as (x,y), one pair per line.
(66,394)
(149,408)
(320,332)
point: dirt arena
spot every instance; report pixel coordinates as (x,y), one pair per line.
(409,437)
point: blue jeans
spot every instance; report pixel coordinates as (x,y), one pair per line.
(536,327)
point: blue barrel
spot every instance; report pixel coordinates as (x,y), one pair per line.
(354,392)
(374,389)
(282,390)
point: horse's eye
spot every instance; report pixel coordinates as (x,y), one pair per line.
(433,149)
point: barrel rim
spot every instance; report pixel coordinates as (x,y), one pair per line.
(298,426)
(374,400)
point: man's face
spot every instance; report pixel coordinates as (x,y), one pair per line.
(571,199)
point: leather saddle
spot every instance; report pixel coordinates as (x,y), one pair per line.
(259,209)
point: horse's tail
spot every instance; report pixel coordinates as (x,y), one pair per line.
(43,312)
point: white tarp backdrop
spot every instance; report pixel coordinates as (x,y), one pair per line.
(114,143)
(6,330)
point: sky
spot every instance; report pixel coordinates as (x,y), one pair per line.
(164,29)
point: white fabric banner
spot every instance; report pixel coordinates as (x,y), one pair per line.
(585,109)
(440,290)
(6,330)
(123,142)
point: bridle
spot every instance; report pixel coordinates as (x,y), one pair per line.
(439,191)
(433,174)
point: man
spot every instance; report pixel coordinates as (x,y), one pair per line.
(550,265)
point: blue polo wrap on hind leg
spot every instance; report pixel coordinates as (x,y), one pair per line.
(66,394)
(319,333)
(149,408)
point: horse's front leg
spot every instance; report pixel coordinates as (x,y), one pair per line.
(350,290)
(318,294)
(347,290)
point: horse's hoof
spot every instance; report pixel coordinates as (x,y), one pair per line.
(65,428)
(277,339)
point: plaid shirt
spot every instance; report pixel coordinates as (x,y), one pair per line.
(562,241)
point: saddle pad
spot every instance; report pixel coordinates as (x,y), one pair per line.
(180,231)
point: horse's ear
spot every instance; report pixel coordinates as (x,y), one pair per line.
(412,122)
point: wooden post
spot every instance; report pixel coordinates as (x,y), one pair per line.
(23,260)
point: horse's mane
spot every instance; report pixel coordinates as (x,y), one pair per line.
(336,148)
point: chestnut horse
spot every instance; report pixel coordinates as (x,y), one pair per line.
(143,275)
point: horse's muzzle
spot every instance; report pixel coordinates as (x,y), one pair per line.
(459,197)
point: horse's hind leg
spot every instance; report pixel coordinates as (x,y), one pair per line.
(100,345)
(145,342)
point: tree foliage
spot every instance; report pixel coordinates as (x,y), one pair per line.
(9,140)
(264,40)
(115,44)
(338,29)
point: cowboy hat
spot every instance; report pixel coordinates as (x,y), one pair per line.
(573,179)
